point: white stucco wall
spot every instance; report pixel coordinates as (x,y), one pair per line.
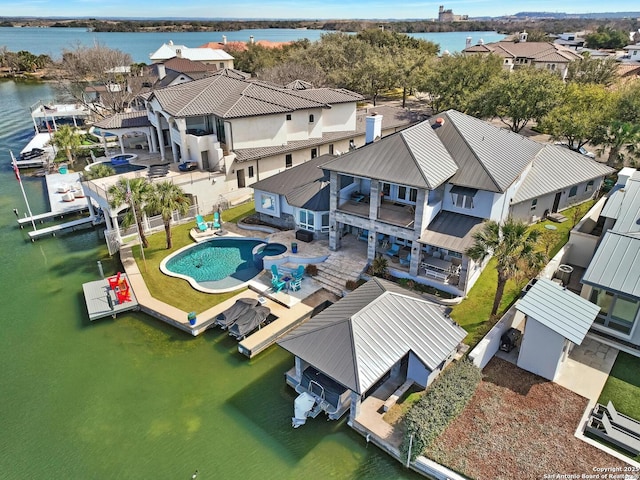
(339,117)
(490,344)
(262,131)
(541,350)
(482,203)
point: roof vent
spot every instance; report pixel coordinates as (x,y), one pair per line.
(438,123)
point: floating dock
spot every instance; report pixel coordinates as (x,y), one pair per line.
(102,300)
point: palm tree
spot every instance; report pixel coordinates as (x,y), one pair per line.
(99,170)
(67,139)
(619,137)
(167,199)
(137,193)
(514,247)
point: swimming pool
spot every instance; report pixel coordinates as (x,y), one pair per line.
(123,158)
(220,264)
(119,169)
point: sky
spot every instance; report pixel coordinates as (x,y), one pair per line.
(310,9)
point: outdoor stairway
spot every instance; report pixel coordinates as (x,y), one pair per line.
(334,272)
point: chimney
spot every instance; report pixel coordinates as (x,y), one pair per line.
(224,39)
(523,36)
(161,71)
(251,39)
(373,128)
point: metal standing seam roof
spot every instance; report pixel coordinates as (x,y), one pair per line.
(358,339)
(413,157)
(453,231)
(629,217)
(559,309)
(489,158)
(616,264)
(555,168)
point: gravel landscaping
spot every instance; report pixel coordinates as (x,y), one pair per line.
(518,425)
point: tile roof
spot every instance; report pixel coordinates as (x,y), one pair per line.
(125,120)
(555,168)
(536,51)
(358,339)
(559,309)
(184,65)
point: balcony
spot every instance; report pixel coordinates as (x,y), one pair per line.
(391,213)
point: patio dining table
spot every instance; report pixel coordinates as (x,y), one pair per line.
(433,263)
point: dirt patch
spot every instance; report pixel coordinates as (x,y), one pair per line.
(518,425)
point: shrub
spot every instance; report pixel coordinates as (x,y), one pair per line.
(443,401)
(351,285)
(311,270)
(379,267)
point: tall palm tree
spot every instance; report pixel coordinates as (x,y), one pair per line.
(66,138)
(168,198)
(513,245)
(137,193)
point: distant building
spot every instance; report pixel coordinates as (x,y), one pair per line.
(448,16)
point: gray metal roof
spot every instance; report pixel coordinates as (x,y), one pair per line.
(616,264)
(489,158)
(232,97)
(559,309)
(414,157)
(613,204)
(453,231)
(629,217)
(392,118)
(305,185)
(555,168)
(125,120)
(358,339)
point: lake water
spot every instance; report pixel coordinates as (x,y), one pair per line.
(132,398)
(52,41)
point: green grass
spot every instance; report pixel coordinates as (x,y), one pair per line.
(623,386)
(175,291)
(473,313)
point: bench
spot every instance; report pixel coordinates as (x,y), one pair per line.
(395,396)
(442,276)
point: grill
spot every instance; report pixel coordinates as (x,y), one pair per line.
(509,339)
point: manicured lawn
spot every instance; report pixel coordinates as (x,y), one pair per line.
(623,386)
(472,313)
(175,291)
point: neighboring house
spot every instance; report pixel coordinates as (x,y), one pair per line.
(426,190)
(347,350)
(297,198)
(179,70)
(217,57)
(632,52)
(546,55)
(570,40)
(243,46)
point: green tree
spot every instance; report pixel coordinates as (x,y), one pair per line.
(135,192)
(623,141)
(513,245)
(99,170)
(68,139)
(593,70)
(453,81)
(168,198)
(520,96)
(584,114)
(607,37)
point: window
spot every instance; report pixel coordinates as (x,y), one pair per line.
(331,149)
(251,172)
(288,160)
(551,66)
(534,204)
(268,202)
(573,191)
(311,119)
(325,222)
(386,189)
(617,312)
(462,201)
(221,65)
(306,219)
(589,186)
(407,194)
(288,116)
(314,152)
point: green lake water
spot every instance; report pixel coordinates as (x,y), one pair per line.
(133,397)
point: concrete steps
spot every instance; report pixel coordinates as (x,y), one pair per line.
(334,273)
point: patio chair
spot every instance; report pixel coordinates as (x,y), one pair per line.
(406,260)
(216,220)
(275,275)
(395,248)
(295,284)
(202,225)
(298,273)
(278,284)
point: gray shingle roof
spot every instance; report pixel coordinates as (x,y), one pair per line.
(125,120)
(453,231)
(231,97)
(616,264)
(555,168)
(559,309)
(414,156)
(358,339)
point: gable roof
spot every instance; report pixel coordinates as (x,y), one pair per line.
(615,265)
(125,120)
(555,168)
(415,156)
(536,51)
(304,186)
(232,97)
(559,309)
(184,65)
(170,50)
(359,338)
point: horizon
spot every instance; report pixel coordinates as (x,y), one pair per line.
(288,10)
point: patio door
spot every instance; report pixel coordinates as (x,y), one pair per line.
(240,177)
(556,202)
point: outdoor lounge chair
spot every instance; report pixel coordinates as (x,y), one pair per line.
(295,284)
(216,220)
(202,225)
(231,314)
(275,275)
(406,260)
(395,248)
(278,284)
(299,273)
(249,321)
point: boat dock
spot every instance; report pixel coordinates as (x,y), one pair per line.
(102,300)
(52,230)
(41,217)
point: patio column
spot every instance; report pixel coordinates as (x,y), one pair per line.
(374,199)
(354,411)
(158,129)
(121,144)
(334,238)
(415,258)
